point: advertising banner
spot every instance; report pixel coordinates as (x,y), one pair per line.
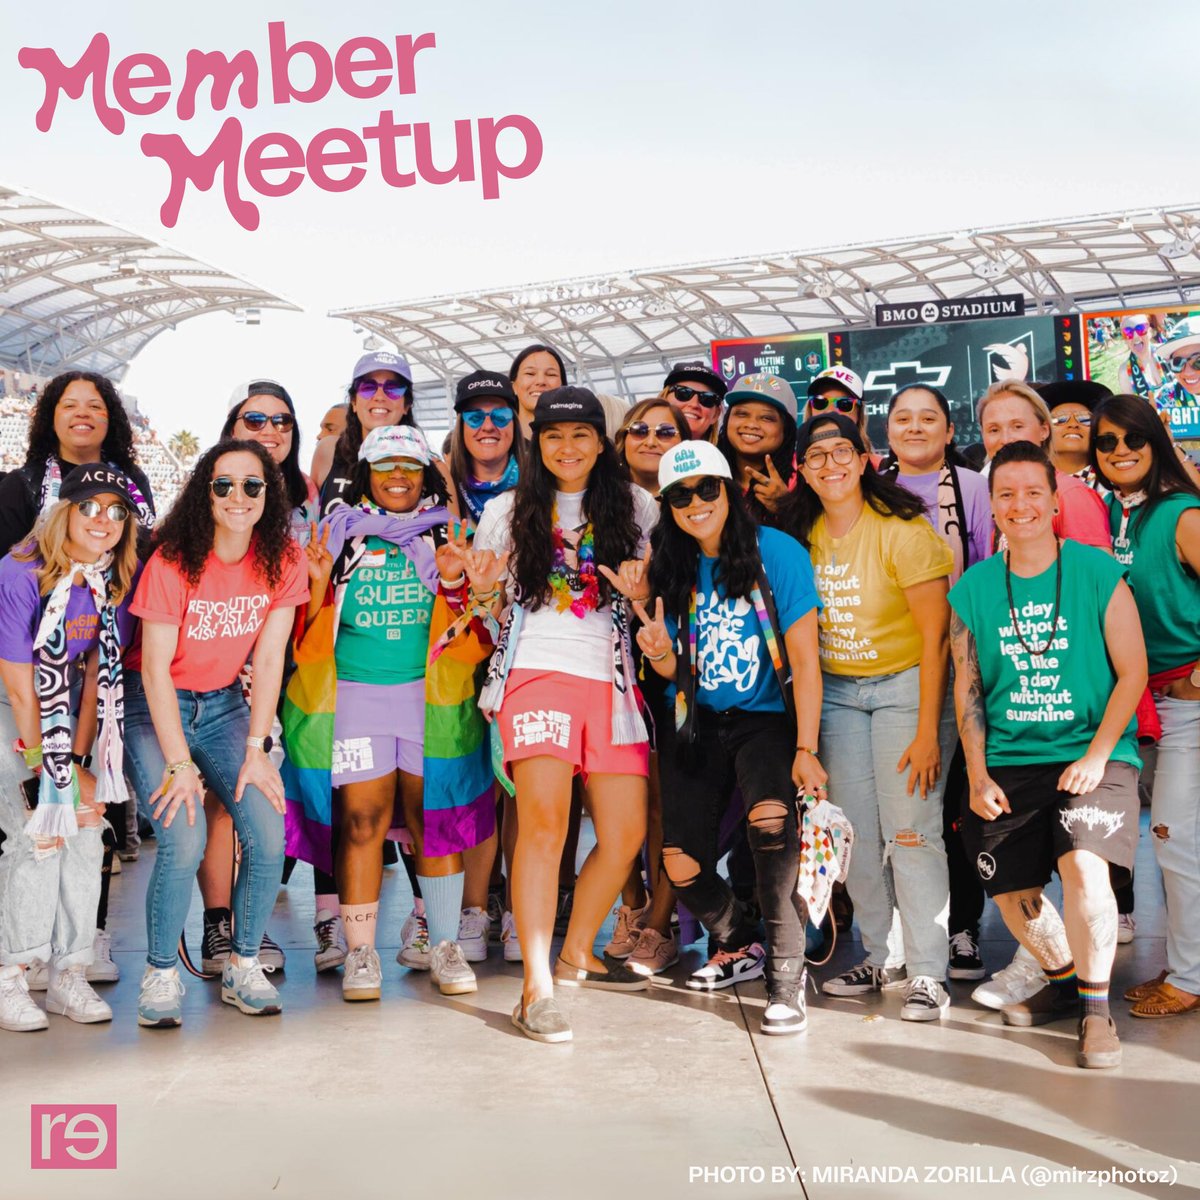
(796,357)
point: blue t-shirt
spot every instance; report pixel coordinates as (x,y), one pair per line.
(734,666)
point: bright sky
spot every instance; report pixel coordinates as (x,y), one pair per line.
(672,132)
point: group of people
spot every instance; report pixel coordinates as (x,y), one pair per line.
(689,617)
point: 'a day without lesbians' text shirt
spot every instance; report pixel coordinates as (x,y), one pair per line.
(1044,708)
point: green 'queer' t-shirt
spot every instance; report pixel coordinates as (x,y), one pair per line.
(383,630)
(1047,707)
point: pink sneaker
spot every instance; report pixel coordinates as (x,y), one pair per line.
(653,953)
(626,931)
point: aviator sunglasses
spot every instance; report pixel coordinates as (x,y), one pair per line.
(252,487)
(1084,419)
(1106,443)
(254,421)
(502,418)
(679,495)
(93,508)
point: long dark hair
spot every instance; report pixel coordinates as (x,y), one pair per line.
(433,486)
(954,455)
(607,504)
(43,441)
(802,506)
(293,477)
(351,439)
(537,348)
(185,535)
(1133,414)
(784,459)
(675,555)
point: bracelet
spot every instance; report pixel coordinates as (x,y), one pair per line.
(806,750)
(173,769)
(453,585)
(485,597)
(31,754)
(659,658)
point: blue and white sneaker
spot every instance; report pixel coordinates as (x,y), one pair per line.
(248,988)
(728,967)
(160,1002)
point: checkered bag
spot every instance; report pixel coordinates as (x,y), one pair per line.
(826,838)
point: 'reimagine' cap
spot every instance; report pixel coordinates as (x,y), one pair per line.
(566,404)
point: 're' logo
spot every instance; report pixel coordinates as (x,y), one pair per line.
(66,1137)
(985,864)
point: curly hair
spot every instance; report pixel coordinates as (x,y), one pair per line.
(293,477)
(433,485)
(185,536)
(607,504)
(43,441)
(675,555)
(784,458)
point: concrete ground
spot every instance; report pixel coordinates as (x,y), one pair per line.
(662,1094)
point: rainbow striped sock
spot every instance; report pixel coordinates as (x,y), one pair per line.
(1093,998)
(1062,979)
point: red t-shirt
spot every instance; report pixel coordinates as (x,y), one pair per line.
(219,619)
(1082,515)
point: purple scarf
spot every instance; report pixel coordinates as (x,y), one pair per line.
(405,530)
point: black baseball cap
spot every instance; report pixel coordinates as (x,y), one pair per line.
(94,479)
(696,370)
(567,404)
(818,428)
(483,385)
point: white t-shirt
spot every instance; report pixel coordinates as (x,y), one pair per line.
(550,640)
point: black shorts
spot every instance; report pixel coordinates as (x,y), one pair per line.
(1020,850)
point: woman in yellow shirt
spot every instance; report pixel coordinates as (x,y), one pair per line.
(881,572)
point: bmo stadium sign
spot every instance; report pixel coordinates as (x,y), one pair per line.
(935,312)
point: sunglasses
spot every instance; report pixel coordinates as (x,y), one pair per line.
(252,487)
(254,421)
(814,460)
(683,394)
(93,508)
(1065,418)
(1106,443)
(386,468)
(475,418)
(664,432)
(1183,362)
(364,389)
(1132,331)
(679,495)
(843,404)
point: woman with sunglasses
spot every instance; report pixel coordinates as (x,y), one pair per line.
(758,439)
(219,590)
(838,389)
(735,627)
(379,394)
(1141,373)
(696,391)
(1155,511)
(651,428)
(885,727)
(64,599)
(561,689)
(1071,403)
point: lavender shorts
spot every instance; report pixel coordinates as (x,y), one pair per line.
(378,729)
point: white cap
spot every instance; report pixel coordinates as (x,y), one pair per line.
(395,441)
(691,458)
(842,376)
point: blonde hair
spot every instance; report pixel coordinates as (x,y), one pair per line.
(664,397)
(48,541)
(1023,391)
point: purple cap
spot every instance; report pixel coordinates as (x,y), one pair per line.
(382,360)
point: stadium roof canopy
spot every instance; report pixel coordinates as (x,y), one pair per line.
(624,329)
(77,292)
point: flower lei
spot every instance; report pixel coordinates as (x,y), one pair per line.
(564,581)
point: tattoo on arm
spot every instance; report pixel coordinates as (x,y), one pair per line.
(972,722)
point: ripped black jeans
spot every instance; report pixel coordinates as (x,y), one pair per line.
(751,751)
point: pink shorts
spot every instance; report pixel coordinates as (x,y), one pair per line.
(565,717)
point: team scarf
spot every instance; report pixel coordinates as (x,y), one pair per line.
(58,791)
(477,492)
(458,791)
(52,485)
(1127,505)
(950,512)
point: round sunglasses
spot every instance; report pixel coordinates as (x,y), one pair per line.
(394,389)
(475,418)
(252,487)
(683,394)
(666,432)
(1106,443)
(1132,331)
(254,421)
(93,508)
(679,495)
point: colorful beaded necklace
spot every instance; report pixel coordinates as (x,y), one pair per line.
(565,582)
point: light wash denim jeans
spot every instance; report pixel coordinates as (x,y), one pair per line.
(1175,826)
(215,725)
(47,905)
(898,876)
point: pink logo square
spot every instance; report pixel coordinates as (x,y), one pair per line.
(73,1137)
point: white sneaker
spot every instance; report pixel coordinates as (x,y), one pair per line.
(72,996)
(248,989)
(924,1000)
(448,970)
(363,975)
(473,927)
(508,936)
(37,976)
(331,941)
(160,1002)
(414,943)
(18,1012)
(1126,926)
(1022,978)
(102,969)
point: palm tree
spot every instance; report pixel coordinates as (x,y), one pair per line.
(185,446)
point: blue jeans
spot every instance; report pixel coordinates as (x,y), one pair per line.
(215,725)
(898,876)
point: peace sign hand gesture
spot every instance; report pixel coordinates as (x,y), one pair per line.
(631,578)
(769,489)
(318,559)
(654,638)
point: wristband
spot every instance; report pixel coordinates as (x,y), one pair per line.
(82,760)
(173,769)
(452,585)
(31,754)
(485,597)
(806,750)
(659,658)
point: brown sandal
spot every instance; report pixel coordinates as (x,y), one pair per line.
(1142,990)
(1167,1001)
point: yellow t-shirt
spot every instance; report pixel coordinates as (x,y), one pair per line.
(865,625)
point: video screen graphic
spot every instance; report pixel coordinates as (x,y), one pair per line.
(1153,353)
(796,357)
